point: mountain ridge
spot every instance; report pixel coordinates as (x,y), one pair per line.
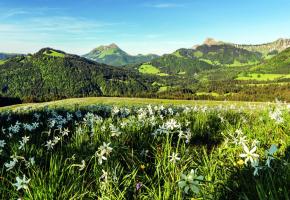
(113,55)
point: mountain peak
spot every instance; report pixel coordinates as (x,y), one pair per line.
(106,47)
(209,42)
(212,41)
(114,46)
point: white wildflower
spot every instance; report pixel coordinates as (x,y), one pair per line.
(249,155)
(21,183)
(174,157)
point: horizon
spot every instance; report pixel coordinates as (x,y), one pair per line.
(138,27)
(102,45)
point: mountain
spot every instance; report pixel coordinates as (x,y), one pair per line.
(267,48)
(219,53)
(210,55)
(113,55)
(279,64)
(8,55)
(51,74)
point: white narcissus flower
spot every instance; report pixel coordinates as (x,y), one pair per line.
(2,143)
(49,145)
(105,148)
(10,165)
(104,176)
(21,183)
(174,157)
(249,155)
(100,157)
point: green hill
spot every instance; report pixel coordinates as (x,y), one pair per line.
(208,56)
(221,54)
(174,65)
(113,55)
(279,64)
(51,74)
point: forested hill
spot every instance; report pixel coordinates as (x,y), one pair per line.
(279,64)
(50,74)
(114,56)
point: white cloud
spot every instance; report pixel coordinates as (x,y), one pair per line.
(165,5)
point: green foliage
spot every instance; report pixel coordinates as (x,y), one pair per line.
(173,65)
(54,53)
(43,78)
(279,64)
(263,77)
(222,54)
(148,69)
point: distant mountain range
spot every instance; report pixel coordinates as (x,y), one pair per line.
(266,49)
(212,54)
(114,56)
(8,55)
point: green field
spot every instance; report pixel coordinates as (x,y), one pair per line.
(124,148)
(2,62)
(262,77)
(214,94)
(150,69)
(72,103)
(54,54)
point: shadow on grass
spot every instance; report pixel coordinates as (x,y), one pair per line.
(271,183)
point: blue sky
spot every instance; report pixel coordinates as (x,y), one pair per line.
(138,26)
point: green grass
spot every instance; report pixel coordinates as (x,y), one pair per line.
(137,146)
(83,102)
(262,77)
(177,54)
(108,52)
(239,64)
(2,62)
(198,54)
(54,54)
(163,89)
(148,69)
(267,84)
(214,94)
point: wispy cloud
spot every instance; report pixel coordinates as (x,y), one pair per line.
(165,5)
(49,27)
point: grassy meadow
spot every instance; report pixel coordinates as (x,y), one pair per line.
(106,148)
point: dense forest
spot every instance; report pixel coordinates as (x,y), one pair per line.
(50,75)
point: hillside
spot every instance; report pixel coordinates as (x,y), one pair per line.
(221,54)
(113,55)
(267,49)
(211,55)
(50,74)
(279,64)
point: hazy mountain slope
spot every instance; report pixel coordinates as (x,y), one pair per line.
(8,55)
(267,48)
(113,55)
(51,74)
